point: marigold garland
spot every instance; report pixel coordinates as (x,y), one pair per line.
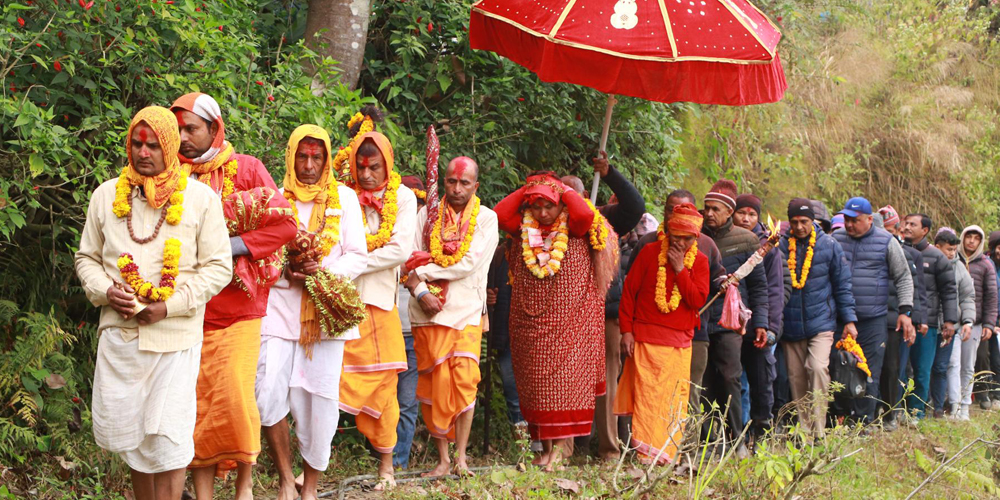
(661,274)
(850,345)
(329,232)
(387,215)
(168,275)
(797,283)
(229,172)
(598,231)
(559,246)
(437,247)
(419,193)
(122,205)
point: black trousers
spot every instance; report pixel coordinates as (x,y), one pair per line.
(890,388)
(722,378)
(872,333)
(759,365)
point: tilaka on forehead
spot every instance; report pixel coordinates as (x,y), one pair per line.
(180,117)
(142,135)
(311,148)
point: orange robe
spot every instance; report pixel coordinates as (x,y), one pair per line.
(368,382)
(228,429)
(448,364)
(653,389)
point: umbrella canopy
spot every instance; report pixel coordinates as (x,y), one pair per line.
(704,51)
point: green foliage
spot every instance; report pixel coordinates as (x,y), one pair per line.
(419,64)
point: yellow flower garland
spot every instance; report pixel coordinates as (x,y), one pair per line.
(437,248)
(387,215)
(661,275)
(560,245)
(122,206)
(850,345)
(598,231)
(228,178)
(330,234)
(796,282)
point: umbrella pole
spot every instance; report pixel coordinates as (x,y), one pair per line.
(604,144)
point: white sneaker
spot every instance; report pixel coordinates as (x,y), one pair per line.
(963,413)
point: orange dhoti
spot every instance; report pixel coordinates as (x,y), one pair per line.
(448,367)
(227,430)
(654,389)
(368,382)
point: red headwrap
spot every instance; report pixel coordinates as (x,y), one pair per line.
(545,185)
(685,220)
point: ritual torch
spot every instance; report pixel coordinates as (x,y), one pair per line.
(751,263)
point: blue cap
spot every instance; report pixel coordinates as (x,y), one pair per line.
(857,206)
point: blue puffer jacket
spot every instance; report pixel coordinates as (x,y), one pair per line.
(867,258)
(827,294)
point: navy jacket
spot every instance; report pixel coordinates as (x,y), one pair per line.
(778,290)
(942,290)
(867,258)
(827,294)
(736,246)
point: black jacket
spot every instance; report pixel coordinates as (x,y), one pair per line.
(939,279)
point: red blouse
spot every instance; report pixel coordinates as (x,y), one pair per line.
(638,313)
(232,305)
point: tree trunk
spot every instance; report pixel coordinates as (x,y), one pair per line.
(338,29)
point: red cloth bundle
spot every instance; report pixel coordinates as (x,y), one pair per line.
(735,315)
(246,211)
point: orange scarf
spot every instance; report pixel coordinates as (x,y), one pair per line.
(310,328)
(454,226)
(164,124)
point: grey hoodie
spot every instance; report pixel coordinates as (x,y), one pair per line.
(966,292)
(983,277)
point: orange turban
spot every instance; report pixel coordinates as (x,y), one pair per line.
(685,220)
(164,124)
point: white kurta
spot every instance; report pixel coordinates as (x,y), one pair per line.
(379,282)
(348,258)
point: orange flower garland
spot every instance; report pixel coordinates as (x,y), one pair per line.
(437,248)
(797,283)
(229,171)
(661,274)
(850,345)
(559,246)
(598,231)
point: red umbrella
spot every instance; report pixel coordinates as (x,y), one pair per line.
(703,51)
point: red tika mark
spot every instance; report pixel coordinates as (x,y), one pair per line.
(311,149)
(142,135)
(460,164)
(180,118)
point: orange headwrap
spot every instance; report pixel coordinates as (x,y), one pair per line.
(367,198)
(206,107)
(159,187)
(685,220)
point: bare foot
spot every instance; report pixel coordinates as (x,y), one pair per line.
(442,469)
(299,481)
(287,492)
(245,495)
(386,482)
(542,460)
(461,468)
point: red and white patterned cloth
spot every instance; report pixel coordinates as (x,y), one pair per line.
(557,343)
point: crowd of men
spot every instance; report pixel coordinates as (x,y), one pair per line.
(596,312)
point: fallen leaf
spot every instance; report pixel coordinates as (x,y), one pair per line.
(635,473)
(55,381)
(568,484)
(940,451)
(66,468)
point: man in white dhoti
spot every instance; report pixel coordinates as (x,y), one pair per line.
(144,401)
(299,367)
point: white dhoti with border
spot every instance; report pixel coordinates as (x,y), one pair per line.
(289,382)
(144,402)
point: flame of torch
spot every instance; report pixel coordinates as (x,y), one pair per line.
(755,259)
